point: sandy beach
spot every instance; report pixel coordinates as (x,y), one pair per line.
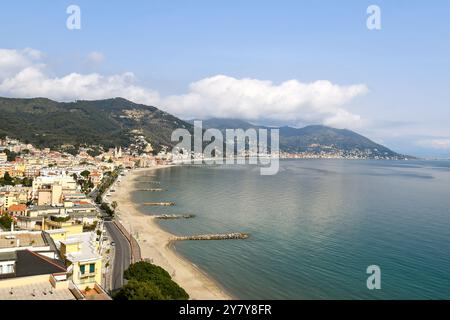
(155,243)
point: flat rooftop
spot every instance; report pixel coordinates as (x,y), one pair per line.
(8,240)
(88,250)
(36,291)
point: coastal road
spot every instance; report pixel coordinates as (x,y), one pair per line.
(122,255)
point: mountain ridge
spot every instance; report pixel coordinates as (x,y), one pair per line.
(116,121)
(314,139)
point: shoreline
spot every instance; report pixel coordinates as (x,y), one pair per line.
(157,245)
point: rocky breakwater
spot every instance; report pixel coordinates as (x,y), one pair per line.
(215,236)
(173,216)
(164,204)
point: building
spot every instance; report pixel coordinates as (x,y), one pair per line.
(28,240)
(81,253)
(32,171)
(28,275)
(17,209)
(62,222)
(83,213)
(31,268)
(96,177)
(66,183)
(9,199)
(50,194)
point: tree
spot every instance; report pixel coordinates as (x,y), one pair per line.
(135,290)
(6,221)
(94,152)
(7,180)
(143,271)
(114,205)
(90,184)
(85,174)
(105,207)
(10,155)
(27,182)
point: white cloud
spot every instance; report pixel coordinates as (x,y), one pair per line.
(252,99)
(23,74)
(440,144)
(13,61)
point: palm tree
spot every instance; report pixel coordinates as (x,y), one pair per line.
(114,205)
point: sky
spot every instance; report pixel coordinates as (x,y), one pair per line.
(270,62)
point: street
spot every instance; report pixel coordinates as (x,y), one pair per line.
(122,255)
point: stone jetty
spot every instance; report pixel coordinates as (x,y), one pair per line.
(164,204)
(173,216)
(215,236)
(148,181)
(151,189)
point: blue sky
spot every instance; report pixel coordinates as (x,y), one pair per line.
(176,50)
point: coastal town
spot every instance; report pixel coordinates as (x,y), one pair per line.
(69,229)
(57,237)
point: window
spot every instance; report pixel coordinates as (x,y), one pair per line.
(82,268)
(6,268)
(92,268)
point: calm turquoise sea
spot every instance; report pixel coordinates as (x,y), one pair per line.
(316,226)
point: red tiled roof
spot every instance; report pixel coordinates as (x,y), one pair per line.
(17,207)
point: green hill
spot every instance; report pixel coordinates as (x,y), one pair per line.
(47,123)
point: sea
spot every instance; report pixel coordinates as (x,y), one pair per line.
(315,227)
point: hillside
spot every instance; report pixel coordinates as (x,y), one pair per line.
(314,139)
(114,122)
(47,123)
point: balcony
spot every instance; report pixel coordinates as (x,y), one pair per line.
(86,275)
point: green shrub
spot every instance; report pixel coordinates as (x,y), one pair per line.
(60,219)
(144,272)
(135,290)
(6,221)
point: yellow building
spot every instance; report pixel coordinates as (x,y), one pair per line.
(20,169)
(62,222)
(82,256)
(10,199)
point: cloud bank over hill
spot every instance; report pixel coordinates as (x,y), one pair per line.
(24,73)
